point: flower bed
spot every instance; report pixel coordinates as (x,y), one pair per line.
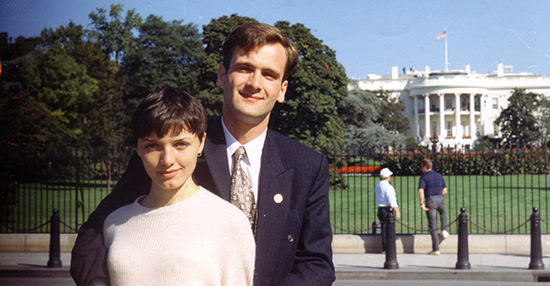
(359,170)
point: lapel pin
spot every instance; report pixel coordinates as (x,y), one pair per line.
(278,198)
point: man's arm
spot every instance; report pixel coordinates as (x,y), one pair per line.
(88,257)
(313,263)
(444,191)
(397,214)
(421,197)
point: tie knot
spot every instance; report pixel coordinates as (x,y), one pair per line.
(239,154)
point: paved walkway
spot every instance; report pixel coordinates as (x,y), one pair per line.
(367,266)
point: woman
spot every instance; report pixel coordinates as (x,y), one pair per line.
(180,233)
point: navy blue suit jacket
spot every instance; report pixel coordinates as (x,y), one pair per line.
(293,238)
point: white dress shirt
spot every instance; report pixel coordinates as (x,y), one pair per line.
(251,163)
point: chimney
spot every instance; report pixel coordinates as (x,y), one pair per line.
(394,73)
(500,69)
(468,71)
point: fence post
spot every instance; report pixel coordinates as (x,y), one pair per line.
(54,261)
(462,262)
(391,260)
(536,248)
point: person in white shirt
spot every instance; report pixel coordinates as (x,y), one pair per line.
(179,233)
(386,200)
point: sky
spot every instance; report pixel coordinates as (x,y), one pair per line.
(368,36)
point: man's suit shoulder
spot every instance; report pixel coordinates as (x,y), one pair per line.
(292,149)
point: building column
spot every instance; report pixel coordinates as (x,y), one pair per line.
(442,131)
(416,124)
(472,116)
(482,99)
(426,117)
(458,128)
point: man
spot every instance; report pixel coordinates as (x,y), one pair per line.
(432,187)
(386,200)
(289,181)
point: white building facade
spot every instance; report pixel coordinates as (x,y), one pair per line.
(454,108)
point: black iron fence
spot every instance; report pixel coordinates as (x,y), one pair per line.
(498,188)
(73,182)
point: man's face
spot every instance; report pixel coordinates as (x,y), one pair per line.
(253,83)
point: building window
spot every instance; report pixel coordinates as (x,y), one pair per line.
(448,104)
(495,129)
(449,129)
(495,103)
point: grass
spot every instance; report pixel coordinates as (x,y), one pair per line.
(494,204)
(34,204)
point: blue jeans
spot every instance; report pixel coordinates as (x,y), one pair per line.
(436,204)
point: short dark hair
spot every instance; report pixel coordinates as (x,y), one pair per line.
(169,110)
(426,163)
(251,36)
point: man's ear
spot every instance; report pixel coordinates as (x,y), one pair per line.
(221,76)
(282,93)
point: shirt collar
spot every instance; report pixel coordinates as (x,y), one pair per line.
(253,148)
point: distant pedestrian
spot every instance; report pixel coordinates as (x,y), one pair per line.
(432,187)
(386,200)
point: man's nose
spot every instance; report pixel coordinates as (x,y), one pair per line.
(255,80)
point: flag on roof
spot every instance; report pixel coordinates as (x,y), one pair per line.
(442,35)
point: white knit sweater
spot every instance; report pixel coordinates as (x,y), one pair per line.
(202,240)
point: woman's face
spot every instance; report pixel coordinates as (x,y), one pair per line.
(170,160)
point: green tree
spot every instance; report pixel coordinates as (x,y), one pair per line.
(213,37)
(309,113)
(63,92)
(544,119)
(166,54)
(115,33)
(363,112)
(517,122)
(393,118)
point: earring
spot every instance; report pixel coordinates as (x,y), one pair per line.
(199,154)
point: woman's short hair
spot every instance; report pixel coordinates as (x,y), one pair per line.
(169,111)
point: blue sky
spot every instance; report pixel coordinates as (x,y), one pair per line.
(369,37)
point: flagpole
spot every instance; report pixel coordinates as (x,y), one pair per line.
(446,61)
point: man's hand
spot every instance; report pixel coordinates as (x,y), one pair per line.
(423,206)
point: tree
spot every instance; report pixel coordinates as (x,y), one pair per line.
(165,54)
(214,35)
(393,119)
(63,91)
(517,122)
(362,112)
(115,33)
(309,113)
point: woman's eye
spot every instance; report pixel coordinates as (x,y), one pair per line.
(182,145)
(151,146)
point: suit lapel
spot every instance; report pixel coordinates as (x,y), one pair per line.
(275,184)
(215,159)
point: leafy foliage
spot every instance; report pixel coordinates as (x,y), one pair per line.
(517,122)
(372,120)
(309,113)
(213,37)
(164,54)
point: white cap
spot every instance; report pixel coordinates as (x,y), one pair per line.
(385,173)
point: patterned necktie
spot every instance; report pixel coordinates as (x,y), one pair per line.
(242,195)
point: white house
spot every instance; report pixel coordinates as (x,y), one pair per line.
(454,107)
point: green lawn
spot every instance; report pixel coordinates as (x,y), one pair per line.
(496,204)
(35,202)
